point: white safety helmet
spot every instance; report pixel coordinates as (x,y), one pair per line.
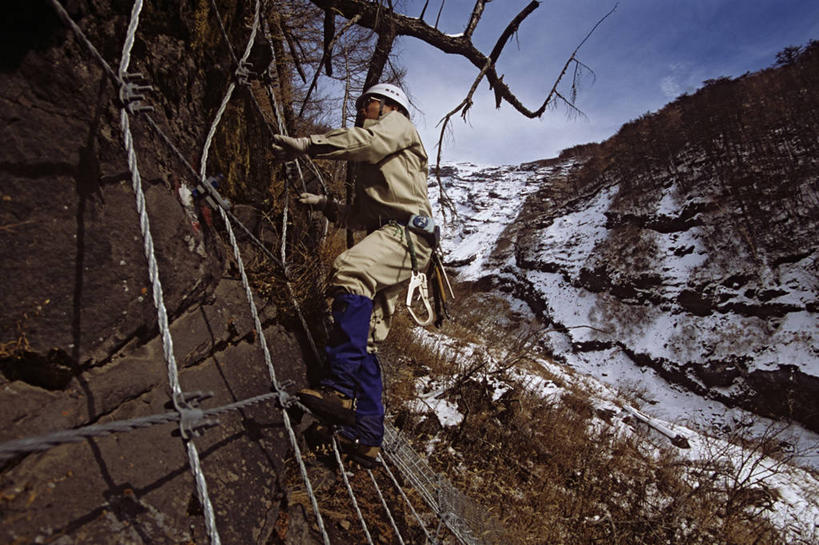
(386,90)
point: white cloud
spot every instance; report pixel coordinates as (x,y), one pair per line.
(685,77)
(670,87)
(646,55)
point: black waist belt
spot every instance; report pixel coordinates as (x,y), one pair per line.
(423,226)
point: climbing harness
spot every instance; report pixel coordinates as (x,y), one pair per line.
(418,282)
(425,227)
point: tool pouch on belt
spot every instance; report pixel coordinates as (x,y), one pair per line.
(425,226)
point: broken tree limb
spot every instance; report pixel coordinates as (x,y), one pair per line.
(388,24)
(477,11)
(325,58)
(374,17)
(329,38)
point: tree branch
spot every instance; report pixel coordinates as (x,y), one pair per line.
(440,9)
(388,24)
(477,11)
(572,59)
(325,58)
(329,39)
(292,45)
(424,10)
(463,107)
(416,28)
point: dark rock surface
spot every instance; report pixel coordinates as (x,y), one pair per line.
(78,330)
(138,485)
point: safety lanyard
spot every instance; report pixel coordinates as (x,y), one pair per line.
(418,282)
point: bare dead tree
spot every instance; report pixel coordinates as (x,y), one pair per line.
(379,19)
(387,24)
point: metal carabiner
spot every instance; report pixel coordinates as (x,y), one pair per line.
(418,282)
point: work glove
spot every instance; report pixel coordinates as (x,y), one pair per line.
(287,148)
(311,199)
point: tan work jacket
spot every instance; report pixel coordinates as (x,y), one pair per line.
(392,180)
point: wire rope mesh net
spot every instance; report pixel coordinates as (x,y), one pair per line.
(463,516)
(445,501)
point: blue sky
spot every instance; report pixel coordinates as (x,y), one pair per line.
(644,55)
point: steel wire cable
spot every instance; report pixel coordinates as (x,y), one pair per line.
(283,246)
(159,303)
(272,371)
(63,14)
(246,283)
(386,507)
(224,31)
(104,64)
(304,324)
(451,507)
(145,228)
(15,447)
(350,492)
(281,261)
(403,495)
(166,139)
(68,20)
(149,248)
(240,66)
(410,464)
(438,530)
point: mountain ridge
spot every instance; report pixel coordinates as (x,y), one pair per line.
(677,238)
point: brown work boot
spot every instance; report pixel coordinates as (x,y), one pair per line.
(329,405)
(364,455)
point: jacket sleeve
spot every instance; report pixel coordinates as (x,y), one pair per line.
(372,144)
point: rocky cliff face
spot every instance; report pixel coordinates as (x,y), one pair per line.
(685,244)
(729,310)
(79,327)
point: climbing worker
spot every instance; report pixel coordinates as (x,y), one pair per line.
(392,206)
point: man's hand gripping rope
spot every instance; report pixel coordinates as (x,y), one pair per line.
(287,148)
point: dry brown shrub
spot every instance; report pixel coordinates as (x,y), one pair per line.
(546,473)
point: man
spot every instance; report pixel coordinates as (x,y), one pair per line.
(367,279)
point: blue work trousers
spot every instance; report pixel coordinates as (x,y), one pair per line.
(353,370)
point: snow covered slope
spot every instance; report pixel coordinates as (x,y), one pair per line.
(685,244)
(687,367)
(675,265)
